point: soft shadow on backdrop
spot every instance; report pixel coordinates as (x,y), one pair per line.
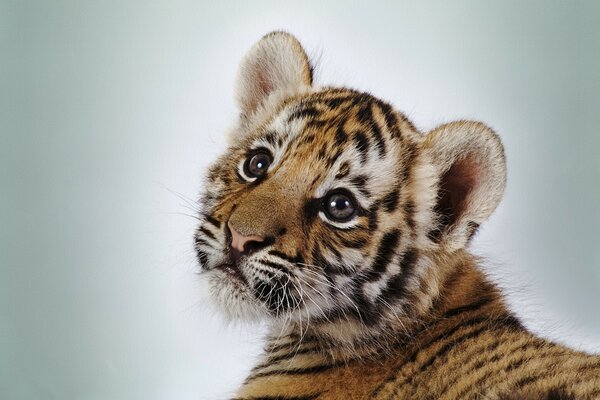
(110,111)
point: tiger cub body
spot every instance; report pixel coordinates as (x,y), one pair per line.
(332,216)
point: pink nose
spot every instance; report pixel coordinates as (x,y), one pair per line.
(244,245)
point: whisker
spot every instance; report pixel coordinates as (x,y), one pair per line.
(331,285)
(184,214)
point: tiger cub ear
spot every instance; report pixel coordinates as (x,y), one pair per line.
(276,63)
(468,159)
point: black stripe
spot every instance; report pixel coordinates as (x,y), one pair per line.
(292,259)
(531,379)
(296,343)
(304,112)
(469,307)
(344,171)
(362,145)
(379,139)
(310,138)
(202,257)
(368,314)
(207,233)
(272,264)
(445,349)
(490,348)
(364,113)
(311,70)
(354,243)
(409,210)
(340,135)
(328,268)
(390,201)
(315,124)
(311,210)
(365,116)
(275,359)
(271,137)
(396,286)
(472,228)
(338,101)
(386,249)
(446,335)
(333,248)
(322,155)
(410,153)
(296,371)
(515,364)
(331,160)
(390,119)
(451,345)
(360,182)
(528,380)
(199,241)
(212,221)
(508,321)
(334,103)
(373,216)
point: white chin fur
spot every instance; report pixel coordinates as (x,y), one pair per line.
(232,298)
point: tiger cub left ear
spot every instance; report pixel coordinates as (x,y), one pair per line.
(276,63)
(468,158)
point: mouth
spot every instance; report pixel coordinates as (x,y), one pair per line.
(232,270)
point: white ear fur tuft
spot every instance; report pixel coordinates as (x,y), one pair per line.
(276,63)
(471,172)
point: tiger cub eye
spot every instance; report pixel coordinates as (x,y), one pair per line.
(258,163)
(339,207)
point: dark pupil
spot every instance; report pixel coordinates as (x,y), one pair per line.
(339,206)
(258,164)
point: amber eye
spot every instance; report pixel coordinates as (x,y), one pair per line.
(339,206)
(257,163)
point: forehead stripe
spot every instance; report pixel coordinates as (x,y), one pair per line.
(365,116)
(362,145)
(391,120)
(304,112)
(341,136)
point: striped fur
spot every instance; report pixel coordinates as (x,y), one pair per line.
(388,304)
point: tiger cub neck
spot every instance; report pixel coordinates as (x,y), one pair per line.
(454,292)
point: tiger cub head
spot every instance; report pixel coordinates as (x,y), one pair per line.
(329,205)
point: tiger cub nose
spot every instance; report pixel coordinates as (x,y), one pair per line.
(244,245)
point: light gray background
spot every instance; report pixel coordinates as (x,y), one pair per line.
(109,111)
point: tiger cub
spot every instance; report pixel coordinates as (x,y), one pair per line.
(334,218)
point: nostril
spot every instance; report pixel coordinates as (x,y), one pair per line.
(253,246)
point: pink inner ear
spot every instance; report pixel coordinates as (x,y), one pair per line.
(455,187)
(263,82)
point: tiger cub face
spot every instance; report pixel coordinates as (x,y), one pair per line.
(329,205)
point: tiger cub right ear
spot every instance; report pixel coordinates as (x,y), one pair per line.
(276,63)
(468,158)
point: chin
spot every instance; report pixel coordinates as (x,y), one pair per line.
(233,297)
